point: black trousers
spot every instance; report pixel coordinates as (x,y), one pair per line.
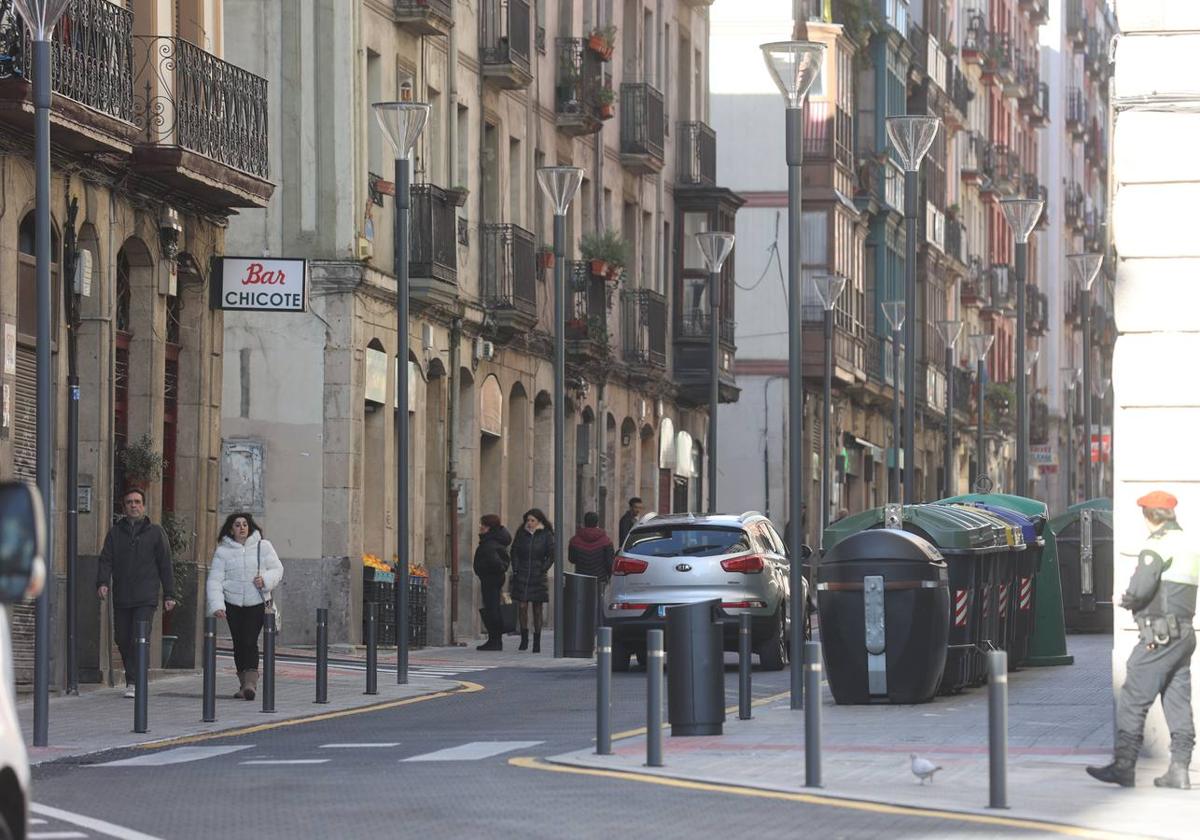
(245,625)
(493,622)
(125,621)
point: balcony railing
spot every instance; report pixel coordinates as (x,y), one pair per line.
(1001,289)
(928,55)
(964,389)
(874,356)
(587,310)
(1073,205)
(1076,111)
(509,269)
(960,90)
(956,243)
(1076,22)
(1095,59)
(935,226)
(1000,59)
(1006,172)
(644,327)
(694,324)
(697,165)
(434,234)
(642,125)
(92,57)
(576,86)
(425,17)
(828,133)
(978,38)
(505,38)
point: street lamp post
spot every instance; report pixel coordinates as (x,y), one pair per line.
(979,344)
(559,184)
(894,311)
(402,123)
(1022,214)
(911,137)
(1070,377)
(715,246)
(949,331)
(41,16)
(1085,268)
(1102,385)
(828,288)
(794,66)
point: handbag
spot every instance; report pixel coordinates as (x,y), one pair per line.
(269,605)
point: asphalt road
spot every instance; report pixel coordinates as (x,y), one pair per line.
(355,780)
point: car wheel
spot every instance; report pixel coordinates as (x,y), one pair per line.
(620,656)
(773,652)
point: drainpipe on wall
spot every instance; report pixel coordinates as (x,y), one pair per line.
(452,108)
(601,456)
(452,484)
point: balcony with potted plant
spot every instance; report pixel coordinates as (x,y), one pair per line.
(577,81)
(606,254)
(606,99)
(587,314)
(602,41)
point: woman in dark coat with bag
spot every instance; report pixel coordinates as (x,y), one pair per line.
(491,564)
(532,557)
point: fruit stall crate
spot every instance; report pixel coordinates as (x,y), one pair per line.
(380,588)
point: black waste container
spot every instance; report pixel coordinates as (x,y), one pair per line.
(579,615)
(1087,585)
(695,669)
(884,602)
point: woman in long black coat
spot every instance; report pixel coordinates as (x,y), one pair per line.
(532,557)
(490,565)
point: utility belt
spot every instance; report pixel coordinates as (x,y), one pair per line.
(1158,630)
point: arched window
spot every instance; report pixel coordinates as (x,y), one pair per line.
(124,293)
(27,280)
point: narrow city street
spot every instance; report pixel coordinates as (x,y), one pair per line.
(434,769)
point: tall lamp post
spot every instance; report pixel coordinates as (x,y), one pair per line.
(402,123)
(949,332)
(1102,385)
(794,66)
(41,16)
(1070,378)
(980,344)
(1022,214)
(911,137)
(715,246)
(559,184)
(1031,361)
(829,288)
(893,311)
(1085,268)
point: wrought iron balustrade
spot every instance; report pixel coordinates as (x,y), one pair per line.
(578,78)
(505,33)
(509,268)
(697,165)
(642,126)
(434,250)
(644,327)
(694,324)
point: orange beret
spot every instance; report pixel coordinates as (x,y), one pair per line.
(1158,499)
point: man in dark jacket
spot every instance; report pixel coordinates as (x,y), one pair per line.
(136,559)
(591,552)
(629,519)
(491,564)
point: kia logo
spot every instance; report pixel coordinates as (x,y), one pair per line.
(683,567)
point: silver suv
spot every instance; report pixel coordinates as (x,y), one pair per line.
(684,558)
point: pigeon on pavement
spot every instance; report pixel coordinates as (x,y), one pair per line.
(923,768)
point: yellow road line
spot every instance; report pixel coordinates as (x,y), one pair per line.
(531,763)
(762,701)
(464,688)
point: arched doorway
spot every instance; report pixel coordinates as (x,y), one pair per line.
(466,512)
(435,468)
(491,455)
(628,466)
(585,474)
(648,482)
(666,462)
(605,502)
(543,451)
(377,479)
(517,454)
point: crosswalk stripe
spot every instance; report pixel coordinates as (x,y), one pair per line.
(55,835)
(381,745)
(474,751)
(36,821)
(179,755)
(286,761)
(106,828)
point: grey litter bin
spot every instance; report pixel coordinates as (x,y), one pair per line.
(695,669)
(579,612)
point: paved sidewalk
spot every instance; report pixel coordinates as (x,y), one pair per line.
(1060,720)
(102,718)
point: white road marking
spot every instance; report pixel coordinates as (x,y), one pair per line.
(55,835)
(105,828)
(474,751)
(178,755)
(36,821)
(383,745)
(285,761)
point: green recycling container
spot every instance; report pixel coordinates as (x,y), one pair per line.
(1087,586)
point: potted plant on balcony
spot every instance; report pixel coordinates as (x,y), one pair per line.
(604,251)
(458,194)
(601,41)
(545,257)
(605,97)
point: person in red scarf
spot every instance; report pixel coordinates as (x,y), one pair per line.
(591,552)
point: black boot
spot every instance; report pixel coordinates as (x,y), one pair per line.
(1175,777)
(1121,770)
(494,642)
(537,641)
(524,639)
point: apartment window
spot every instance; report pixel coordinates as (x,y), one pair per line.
(648,34)
(436,132)
(647,253)
(464,125)
(374,94)
(515,182)
(665,277)
(539,202)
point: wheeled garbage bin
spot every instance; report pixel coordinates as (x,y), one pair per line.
(1085,550)
(695,669)
(579,611)
(884,601)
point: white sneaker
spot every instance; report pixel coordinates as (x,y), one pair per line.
(130,692)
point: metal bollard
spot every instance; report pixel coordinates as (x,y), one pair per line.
(604,691)
(268,675)
(812,714)
(141,686)
(322,656)
(210,670)
(997,729)
(372,650)
(654,694)
(744,667)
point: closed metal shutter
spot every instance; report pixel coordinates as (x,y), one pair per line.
(24,448)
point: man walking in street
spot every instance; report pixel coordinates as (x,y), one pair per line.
(629,519)
(136,559)
(1162,596)
(591,552)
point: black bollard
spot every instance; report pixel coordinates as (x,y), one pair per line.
(268,675)
(141,686)
(997,729)
(812,714)
(654,693)
(210,670)
(744,667)
(372,651)
(322,656)
(604,691)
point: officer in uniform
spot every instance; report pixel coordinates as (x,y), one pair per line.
(1162,596)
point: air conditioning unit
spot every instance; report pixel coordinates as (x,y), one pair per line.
(427,337)
(84,267)
(487,350)
(364,249)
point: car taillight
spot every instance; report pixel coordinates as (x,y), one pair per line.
(743,605)
(748,564)
(629,565)
(620,605)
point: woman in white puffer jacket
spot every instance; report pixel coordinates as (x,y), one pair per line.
(245,568)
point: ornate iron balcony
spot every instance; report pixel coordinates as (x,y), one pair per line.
(697,165)
(505,38)
(576,85)
(644,327)
(642,127)
(188,97)
(92,59)
(425,17)
(587,312)
(509,269)
(694,324)
(434,252)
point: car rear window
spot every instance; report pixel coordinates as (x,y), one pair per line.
(686,540)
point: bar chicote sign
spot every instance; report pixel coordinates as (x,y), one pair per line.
(252,284)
